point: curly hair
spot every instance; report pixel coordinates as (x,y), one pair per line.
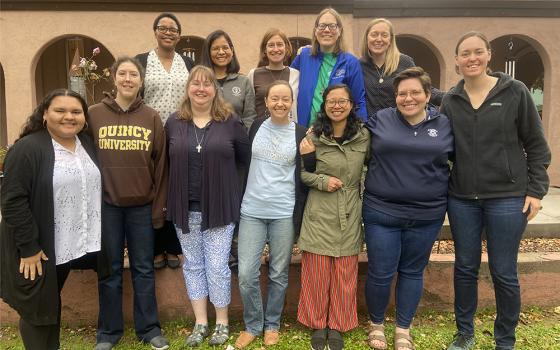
(34,122)
(323,124)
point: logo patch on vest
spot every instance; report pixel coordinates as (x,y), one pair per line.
(236,91)
(432,132)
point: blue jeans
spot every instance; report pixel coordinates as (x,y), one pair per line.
(254,233)
(134,224)
(396,245)
(504,223)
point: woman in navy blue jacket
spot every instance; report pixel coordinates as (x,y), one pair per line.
(326,63)
(405,200)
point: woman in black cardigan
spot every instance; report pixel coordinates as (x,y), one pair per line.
(41,238)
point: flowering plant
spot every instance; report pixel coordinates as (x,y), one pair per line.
(87,68)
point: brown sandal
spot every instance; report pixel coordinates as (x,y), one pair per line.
(403,341)
(380,336)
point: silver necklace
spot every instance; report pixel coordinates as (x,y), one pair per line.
(198,143)
(380,74)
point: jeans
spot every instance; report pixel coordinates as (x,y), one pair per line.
(396,245)
(504,223)
(135,225)
(254,233)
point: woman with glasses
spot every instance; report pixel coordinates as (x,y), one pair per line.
(381,61)
(219,54)
(326,63)
(275,53)
(405,199)
(164,88)
(331,233)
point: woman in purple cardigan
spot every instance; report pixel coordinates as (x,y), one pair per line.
(205,143)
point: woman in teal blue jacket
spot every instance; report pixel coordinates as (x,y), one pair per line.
(326,63)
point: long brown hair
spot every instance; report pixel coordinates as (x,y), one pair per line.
(219,110)
(393,54)
(339,46)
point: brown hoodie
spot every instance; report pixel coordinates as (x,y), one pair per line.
(131,149)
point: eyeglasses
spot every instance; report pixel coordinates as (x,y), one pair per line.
(323,26)
(413,93)
(342,102)
(279,45)
(164,29)
(218,48)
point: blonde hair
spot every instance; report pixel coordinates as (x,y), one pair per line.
(339,45)
(219,110)
(393,54)
(263,58)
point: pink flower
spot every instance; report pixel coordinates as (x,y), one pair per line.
(83,62)
(96,51)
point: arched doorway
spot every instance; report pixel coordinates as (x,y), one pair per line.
(55,62)
(516,56)
(191,46)
(297,42)
(423,55)
(3,119)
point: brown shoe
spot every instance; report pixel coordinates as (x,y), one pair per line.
(271,337)
(244,339)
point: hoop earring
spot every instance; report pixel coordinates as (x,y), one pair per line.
(44,123)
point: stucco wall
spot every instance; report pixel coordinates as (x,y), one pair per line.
(23,36)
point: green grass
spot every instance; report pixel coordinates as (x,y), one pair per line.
(538,329)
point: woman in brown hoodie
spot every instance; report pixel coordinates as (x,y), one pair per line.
(131,149)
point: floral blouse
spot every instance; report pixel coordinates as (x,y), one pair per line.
(77,203)
(164,91)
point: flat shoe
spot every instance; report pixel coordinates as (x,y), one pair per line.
(271,337)
(377,332)
(173,263)
(403,341)
(335,341)
(244,339)
(319,339)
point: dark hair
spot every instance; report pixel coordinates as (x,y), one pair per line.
(167,15)
(323,124)
(413,73)
(276,83)
(34,122)
(206,60)
(263,58)
(124,59)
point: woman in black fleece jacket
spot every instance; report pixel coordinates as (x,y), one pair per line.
(497,183)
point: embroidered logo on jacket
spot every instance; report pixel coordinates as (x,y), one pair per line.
(236,91)
(497,104)
(432,132)
(339,73)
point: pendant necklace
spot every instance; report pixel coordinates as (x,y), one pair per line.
(198,143)
(380,74)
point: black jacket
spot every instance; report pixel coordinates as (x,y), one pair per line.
(500,148)
(301,189)
(28,227)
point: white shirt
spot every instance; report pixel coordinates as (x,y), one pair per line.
(164,91)
(77,203)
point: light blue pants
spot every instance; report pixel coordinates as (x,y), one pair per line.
(206,269)
(254,233)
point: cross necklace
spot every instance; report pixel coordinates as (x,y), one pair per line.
(198,143)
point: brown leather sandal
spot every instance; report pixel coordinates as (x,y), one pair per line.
(376,332)
(403,341)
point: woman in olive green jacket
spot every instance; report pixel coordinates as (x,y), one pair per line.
(331,233)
